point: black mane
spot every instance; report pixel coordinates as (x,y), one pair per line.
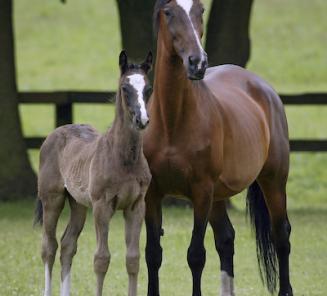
(156,12)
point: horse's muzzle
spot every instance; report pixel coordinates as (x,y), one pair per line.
(197,66)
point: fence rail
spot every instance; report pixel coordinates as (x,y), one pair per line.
(64,100)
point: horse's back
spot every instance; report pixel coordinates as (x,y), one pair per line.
(64,156)
(255,125)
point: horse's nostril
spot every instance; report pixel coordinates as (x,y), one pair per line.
(194,60)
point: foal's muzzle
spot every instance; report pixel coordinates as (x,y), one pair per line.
(141,123)
(197,66)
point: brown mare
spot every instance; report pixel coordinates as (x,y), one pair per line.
(212,134)
(106,172)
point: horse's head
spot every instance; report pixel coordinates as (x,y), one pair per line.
(135,89)
(181,25)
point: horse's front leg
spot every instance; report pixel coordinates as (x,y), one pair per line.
(202,196)
(153,250)
(134,216)
(103,212)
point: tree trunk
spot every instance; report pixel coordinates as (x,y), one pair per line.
(136,27)
(228,40)
(17,179)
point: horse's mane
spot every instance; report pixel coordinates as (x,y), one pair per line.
(157,7)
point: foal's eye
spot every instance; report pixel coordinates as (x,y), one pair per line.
(124,88)
(147,93)
(167,12)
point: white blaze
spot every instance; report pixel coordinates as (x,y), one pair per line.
(187,6)
(47,283)
(65,286)
(138,82)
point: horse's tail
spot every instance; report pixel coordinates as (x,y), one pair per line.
(266,252)
(38,213)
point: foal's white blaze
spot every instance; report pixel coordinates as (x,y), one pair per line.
(65,285)
(187,6)
(47,283)
(227,284)
(138,82)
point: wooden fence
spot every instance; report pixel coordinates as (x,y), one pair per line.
(64,101)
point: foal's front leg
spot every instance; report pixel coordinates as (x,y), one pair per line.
(103,212)
(134,216)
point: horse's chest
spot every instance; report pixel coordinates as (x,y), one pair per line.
(128,193)
(172,172)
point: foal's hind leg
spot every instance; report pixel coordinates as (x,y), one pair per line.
(53,204)
(275,196)
(134,216)
(224,240)
(69,242)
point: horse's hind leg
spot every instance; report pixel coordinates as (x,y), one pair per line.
(53,204)
(69,242)
(275,197)
(134,216)
(224,240)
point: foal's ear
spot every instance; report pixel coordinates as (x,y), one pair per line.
(147,64)
(123,62)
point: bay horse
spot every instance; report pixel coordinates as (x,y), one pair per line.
(106,172)
(213,133)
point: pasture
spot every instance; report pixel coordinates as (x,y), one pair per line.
(67,47)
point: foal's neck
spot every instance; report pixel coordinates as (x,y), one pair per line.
(172,89)
(126,140)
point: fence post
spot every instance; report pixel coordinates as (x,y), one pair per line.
(64,111)
(64,114)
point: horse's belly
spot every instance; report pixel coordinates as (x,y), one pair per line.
(241,170)
(80,193)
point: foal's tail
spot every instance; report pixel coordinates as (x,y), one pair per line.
(38,213)
(266,252)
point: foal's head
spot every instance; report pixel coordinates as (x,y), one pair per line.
(135,89)
(181,22)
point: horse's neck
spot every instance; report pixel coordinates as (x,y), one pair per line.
(126,141)
(171,90)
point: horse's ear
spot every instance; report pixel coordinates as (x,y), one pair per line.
(123,62)
(147,64)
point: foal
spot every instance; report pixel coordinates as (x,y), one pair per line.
(106,172)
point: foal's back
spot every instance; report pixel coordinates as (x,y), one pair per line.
(65,158)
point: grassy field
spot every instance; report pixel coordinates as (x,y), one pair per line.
(75,46)
(22,270)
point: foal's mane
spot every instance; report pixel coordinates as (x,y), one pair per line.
(156,12)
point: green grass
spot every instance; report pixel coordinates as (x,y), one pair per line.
(22,270)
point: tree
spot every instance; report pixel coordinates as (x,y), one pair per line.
(228,40)
(17,179)
(136,27)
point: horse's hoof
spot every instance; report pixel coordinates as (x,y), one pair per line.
(287,293)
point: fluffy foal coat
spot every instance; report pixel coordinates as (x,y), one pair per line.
(106,172)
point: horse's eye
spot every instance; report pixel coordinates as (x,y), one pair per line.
(202,10)
(167,12)
(124,88)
